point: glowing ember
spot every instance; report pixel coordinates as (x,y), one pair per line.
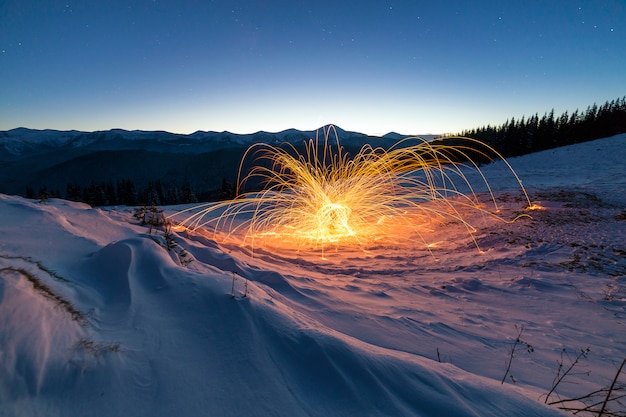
(535,206)
(321,196)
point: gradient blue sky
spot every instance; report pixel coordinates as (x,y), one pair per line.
(413,67)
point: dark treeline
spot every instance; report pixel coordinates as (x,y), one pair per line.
(125,192)
(526,135)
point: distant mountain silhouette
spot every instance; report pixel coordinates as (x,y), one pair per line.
(33,160)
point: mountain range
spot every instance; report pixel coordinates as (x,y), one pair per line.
(52,159)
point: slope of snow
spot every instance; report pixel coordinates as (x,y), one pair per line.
(95,314)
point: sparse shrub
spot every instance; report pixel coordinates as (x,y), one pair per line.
(47,292)
(604,402)
(171,245)
(561,373)
(518,342)
(151,216)
(95,348)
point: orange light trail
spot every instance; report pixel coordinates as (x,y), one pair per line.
(322,197)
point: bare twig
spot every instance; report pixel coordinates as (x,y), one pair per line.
(518,341)
(559,378)
(608,395)
(582,397)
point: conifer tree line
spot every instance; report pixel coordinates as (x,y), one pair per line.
(125,192)
(532,134)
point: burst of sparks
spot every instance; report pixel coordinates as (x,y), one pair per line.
(322,196)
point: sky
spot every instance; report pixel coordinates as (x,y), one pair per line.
(412,67)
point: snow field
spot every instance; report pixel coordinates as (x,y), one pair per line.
(393,330)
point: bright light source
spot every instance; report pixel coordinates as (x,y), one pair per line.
(321,196)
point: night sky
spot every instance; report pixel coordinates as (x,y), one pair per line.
(412,67)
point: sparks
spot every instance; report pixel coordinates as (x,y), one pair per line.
(322,197)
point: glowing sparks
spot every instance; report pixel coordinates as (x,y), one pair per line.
(535,207)
(321,196)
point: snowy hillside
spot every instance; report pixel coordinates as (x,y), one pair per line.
(98,317)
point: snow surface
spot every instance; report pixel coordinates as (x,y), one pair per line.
(98,318)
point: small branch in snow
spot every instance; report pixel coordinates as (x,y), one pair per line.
(560,376)
(518,341)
